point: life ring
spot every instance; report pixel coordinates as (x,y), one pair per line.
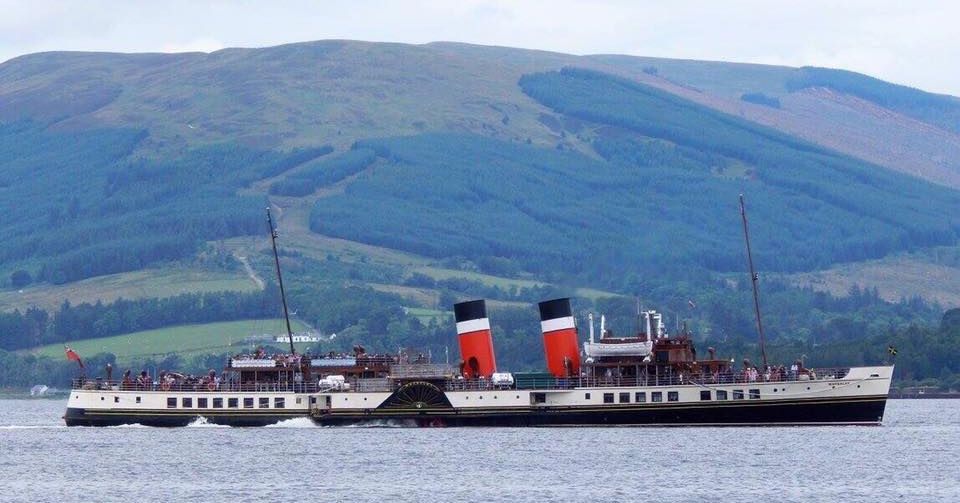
(165,386)
(212,386)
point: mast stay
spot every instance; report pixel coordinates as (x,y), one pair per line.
(283,295)
(754,279)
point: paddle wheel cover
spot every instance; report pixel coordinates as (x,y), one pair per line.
(417,395)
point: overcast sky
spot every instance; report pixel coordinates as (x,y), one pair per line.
(910,42)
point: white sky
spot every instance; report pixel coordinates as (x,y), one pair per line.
(909,42)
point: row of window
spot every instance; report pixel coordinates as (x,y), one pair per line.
(673,396)
(232,403)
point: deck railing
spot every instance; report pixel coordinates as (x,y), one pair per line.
(183,387)
(454,384)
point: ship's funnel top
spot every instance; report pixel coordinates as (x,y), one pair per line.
(470,310)
(556,308)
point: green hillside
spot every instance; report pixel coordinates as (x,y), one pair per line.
(144,283)
(415,176)
(185,340)
(938,109)
(663,196)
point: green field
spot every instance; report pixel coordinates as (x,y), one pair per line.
(185,340)
(155,282)
(439,273)
(425,315)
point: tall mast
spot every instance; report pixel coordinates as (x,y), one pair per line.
(283,295)
(754,279)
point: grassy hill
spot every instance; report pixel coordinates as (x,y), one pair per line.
(185,340)
(152,282)
(421,175)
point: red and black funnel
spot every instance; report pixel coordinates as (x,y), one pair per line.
(476,342)
(560,337)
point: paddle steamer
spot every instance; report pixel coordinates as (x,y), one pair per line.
(650,378)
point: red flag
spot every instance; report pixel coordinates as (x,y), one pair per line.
(72,355)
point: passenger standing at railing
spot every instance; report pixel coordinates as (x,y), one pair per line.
(143,381)
(127,380)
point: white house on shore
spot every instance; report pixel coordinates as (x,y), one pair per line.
(300,337)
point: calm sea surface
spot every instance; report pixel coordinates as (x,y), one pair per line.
(914,456)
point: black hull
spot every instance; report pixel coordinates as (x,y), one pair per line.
(859,411)
(82,417)
(865,411)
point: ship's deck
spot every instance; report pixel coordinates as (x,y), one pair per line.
(444,380)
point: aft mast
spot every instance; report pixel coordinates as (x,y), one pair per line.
(283,296)
(754,279)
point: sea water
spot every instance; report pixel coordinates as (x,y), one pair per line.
(913,457)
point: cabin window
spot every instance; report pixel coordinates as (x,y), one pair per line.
(138,399)
(172,403)
(755,394)
(278,403)
(586,396)
(673,396)
(721,394)
(608,398)
(738,394)
(705,394)
(640,397)
(264,403)
(624,397)
(298,400)
(116,399)
(233,403)
(248,403)
(201,403)
(218,403)
(539,397)
(656,396)
(187,403)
